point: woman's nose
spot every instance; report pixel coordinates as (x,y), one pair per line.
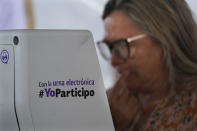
(115,60)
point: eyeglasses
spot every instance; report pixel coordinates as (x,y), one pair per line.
(121,47)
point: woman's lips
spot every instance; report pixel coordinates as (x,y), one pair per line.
(123,70)
(126,70)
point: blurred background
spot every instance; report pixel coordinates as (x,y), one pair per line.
(62,14)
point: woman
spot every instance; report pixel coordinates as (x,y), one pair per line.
(152,44)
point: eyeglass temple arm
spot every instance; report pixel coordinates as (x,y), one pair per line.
(136,38)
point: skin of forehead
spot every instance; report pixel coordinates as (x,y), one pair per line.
(118,26)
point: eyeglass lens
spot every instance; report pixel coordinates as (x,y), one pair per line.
(119,48)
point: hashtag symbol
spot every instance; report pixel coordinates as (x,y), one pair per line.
(41,94)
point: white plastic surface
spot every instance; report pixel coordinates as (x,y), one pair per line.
(44,55)
(7,111)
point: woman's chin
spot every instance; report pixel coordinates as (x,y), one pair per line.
(132,87)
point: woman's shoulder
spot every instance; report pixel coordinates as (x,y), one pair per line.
(178,112)
(189,101)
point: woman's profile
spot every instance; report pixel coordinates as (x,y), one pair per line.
(153,45)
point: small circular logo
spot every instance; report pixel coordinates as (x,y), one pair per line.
(4,56)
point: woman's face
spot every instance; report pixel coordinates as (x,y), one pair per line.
(144,65)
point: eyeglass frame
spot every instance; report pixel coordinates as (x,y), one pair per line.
(127,41)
